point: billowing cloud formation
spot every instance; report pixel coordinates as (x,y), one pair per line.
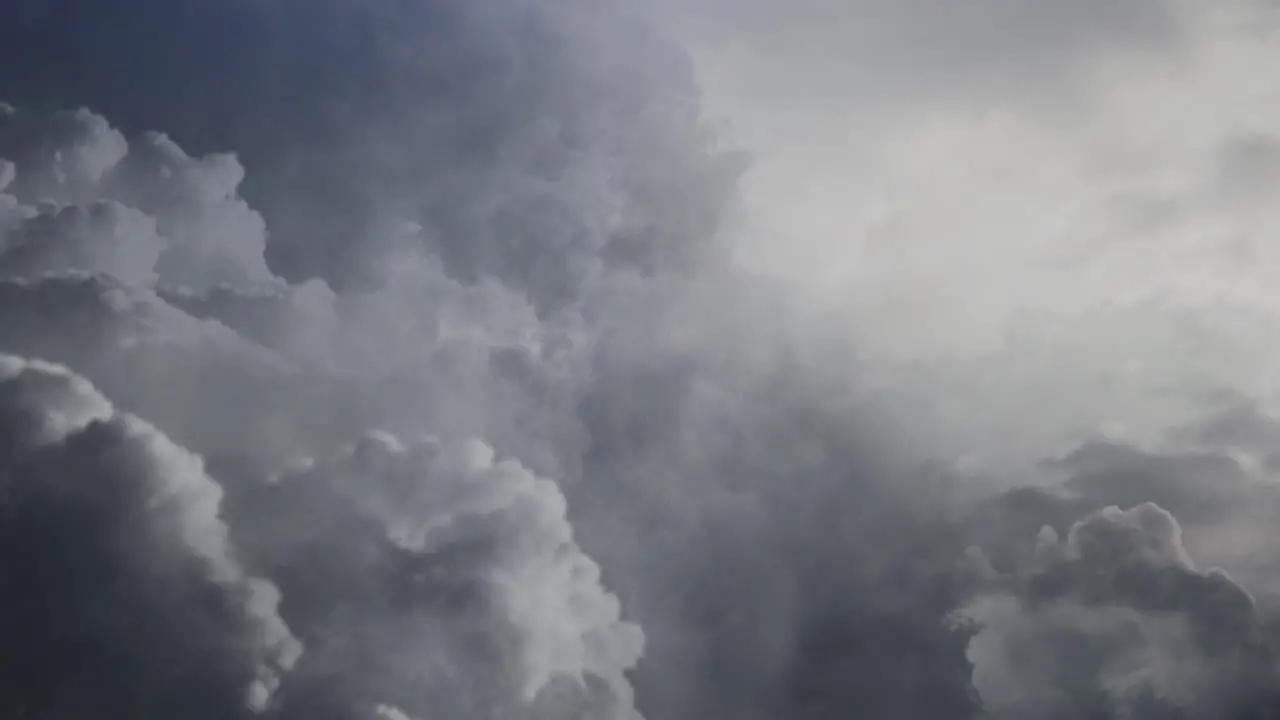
(1115,621)
(647,419)
(492,249)
(535,142)
(676,431)
(435,579)
(428,575)
(1084,607)
(123,596)
(136,193)
(260,342)
(466,590)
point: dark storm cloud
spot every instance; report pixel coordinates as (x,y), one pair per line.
(512,212)
(122,597)
(1124,622)
(497,126)
(430,576)
(176,222)
(1116,621)
(464,589)
(726,478)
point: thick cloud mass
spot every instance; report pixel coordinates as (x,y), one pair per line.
(422,579)
(122,594)
(499,421)
(535,142)
(427,577)
(211,235)
(437,579)
(1116,621)
(1123,621)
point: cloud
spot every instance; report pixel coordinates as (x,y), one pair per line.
(1117,622)
(511,221)
(122,592)
(429,577)
(143,269)
(158,213)
(676,410)
(535,142)
(862,52)
(105,237)
(437,579)
(933,172)
(198,337)
(159,362)
(1115,603)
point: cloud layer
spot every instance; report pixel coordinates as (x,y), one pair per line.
(433,364)
(674,416)
(403,579)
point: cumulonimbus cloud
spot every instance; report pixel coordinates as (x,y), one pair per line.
(124,594)
(466,589)
(450,314)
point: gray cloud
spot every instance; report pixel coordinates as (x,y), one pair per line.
(171,215)
(867,50)
(676,431)
(1115,604)
(105,236)
(496,128)
(122,592)
(1115,621)
(506,221)
(432,577)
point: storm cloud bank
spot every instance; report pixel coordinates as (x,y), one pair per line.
(464,590)
(426,574)
(413,373)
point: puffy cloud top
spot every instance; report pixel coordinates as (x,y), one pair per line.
(1118,622)
(79,196)
(458,578)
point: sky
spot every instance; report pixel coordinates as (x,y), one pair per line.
(573,360)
